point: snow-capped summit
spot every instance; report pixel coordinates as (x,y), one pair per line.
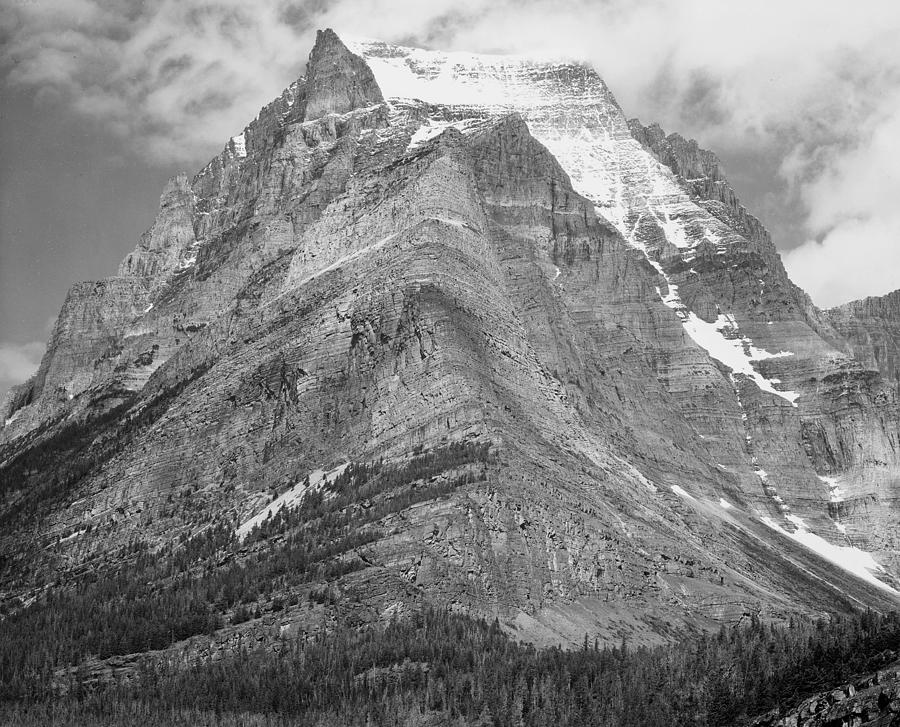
(448,328)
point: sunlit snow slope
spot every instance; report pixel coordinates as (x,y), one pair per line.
(570,110)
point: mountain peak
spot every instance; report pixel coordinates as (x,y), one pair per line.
(337,80)
(488,345)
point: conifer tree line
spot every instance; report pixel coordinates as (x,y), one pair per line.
(437,668)
(153,598)
(429,667)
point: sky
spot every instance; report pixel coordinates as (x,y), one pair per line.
(101,101)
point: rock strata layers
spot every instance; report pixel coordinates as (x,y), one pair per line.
(488,255)
(872,327)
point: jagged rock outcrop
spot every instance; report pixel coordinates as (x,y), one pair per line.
(167,245)
(85,347)
(188,267)
(699,170)
(676,434)
(338,80)
(870,701)
(872,326)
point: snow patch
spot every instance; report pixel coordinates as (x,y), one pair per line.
(721,341)
(317,479)
(835,493)
(681,493)
(577,120)
(435,127)
(674,231)
(349,257)
(736,352)
(452,78)
(853,560)
(448,221)
(720,338)
(239,144)
(568,108)
(725,504)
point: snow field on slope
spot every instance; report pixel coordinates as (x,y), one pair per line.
(240,147)
(317,480)
(835,493)
(853,560)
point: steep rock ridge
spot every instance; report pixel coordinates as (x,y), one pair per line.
(210,237)
(408,274)
(166,246)
(84,349)
(699,169)
(842,371)
(872,326)
(786,403)
(338,80)
(699,172)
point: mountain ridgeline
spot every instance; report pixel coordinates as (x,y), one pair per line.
(441,330)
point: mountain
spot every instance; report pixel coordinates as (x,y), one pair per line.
(871,328)
(448,328)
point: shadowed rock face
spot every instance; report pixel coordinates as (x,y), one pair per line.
(357,280)
(338,80)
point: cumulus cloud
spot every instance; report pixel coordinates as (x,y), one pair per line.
(172,77)
(813,84)
(851,202)
(18,361)
(856,259)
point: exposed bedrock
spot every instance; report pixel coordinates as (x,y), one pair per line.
(356,280)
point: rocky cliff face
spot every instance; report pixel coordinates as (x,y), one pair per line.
(338,81)
(872,329)
(492,256)
(698,169)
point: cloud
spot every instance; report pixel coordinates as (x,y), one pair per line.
(18,361)
(805,84)
(175,78)
(858,258)
(813,84)
(852,210)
